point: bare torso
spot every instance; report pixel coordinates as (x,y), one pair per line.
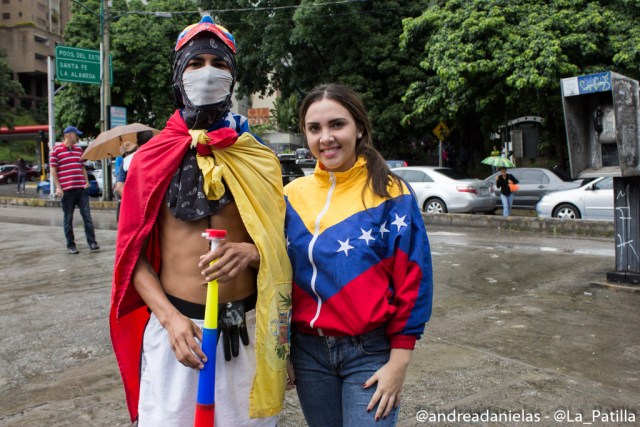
(182,244)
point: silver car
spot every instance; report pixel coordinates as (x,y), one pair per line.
(533,182)
(591,201)
(442,190)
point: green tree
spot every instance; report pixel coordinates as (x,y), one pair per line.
(143,59)
(488,62)
(9,89)
(284,114)
(291,46)
(141,46)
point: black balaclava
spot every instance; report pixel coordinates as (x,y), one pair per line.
(203,42)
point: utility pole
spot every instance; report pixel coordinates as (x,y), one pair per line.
(52,126)
(105,89)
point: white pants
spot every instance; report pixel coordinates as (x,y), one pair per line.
(168,389)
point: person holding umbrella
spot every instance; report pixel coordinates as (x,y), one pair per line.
(121,171)
(201,172)
(505,182)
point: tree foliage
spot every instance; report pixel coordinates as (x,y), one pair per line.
(292,46)
(141,46)
(9,89)
(283,114)
(488,62)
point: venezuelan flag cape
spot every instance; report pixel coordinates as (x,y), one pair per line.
(253,175)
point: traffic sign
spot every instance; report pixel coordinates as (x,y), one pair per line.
(441,131)
(117,116)
(77,65)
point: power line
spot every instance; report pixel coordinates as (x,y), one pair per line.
(248,9)
(291,7)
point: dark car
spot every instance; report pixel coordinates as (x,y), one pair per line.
(533,183)
(397,163)
(290,170)
(44,187)
(307,165)
(303,153)
(9,174)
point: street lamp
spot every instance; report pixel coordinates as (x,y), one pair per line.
(105,86)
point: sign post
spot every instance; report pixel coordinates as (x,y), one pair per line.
(77,65)
(441,131)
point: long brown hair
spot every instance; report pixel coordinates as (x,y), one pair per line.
(379,174)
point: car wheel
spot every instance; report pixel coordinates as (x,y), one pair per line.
(566,211)
(435,206)
(9,181)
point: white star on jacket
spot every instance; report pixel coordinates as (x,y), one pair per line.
(383,229)
(399,222)
(344,247)
(366,236)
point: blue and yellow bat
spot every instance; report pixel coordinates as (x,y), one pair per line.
(205,403)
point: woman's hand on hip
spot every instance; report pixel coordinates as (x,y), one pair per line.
(389,379)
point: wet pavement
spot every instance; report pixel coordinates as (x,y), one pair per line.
(519,334)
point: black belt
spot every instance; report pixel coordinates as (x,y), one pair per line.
(196,311)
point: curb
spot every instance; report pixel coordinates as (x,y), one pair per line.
(52,203)
(551,226)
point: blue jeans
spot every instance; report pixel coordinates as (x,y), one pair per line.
(507,202)
(22,183)
(330,372)
(71,198)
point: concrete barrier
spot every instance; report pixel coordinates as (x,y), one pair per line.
(522,223)
(49,203)
(513,223)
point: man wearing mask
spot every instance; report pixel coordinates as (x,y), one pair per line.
(204,170)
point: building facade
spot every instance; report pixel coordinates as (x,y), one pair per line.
(29,33)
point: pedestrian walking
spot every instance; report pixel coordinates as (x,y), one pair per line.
(71,182)
(507,184)
(22,176)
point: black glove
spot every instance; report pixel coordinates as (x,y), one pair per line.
(232,326)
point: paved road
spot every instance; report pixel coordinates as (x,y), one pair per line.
(518,330)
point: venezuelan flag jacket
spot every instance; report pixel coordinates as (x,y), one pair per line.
(357,266)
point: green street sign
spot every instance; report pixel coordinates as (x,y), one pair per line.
(77,65)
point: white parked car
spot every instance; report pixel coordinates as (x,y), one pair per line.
(98,174)
(593,200)
(442,190)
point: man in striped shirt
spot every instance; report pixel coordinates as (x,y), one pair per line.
(71,181)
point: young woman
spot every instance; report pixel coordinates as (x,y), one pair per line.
(362,269)
(506,195)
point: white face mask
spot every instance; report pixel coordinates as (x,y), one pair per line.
(207,85)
